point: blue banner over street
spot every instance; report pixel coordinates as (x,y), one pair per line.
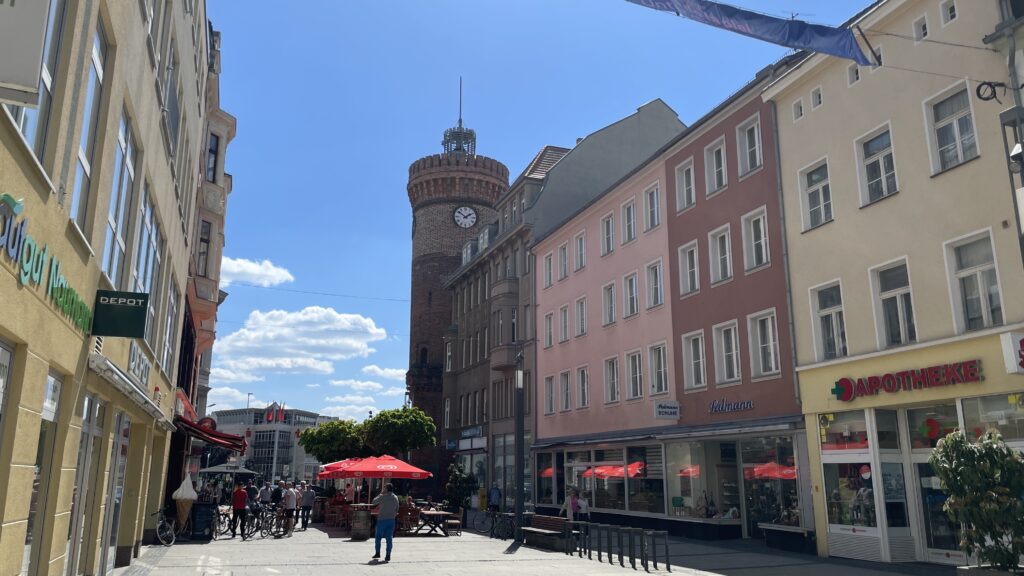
(838,42)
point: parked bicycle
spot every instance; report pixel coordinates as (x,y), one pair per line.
(221,524)
(504,527)
(484,522)
(164,528)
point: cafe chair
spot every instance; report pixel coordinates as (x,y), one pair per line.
(454,524)
(677,505)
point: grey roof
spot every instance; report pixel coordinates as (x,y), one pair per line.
(599,161)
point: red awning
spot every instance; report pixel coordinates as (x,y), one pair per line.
(381,467)
(229,441)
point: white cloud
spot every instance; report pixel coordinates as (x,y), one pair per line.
(349,399)
(310,340)
(227,398)
(349,411)
(312,385)
(263,273)
(387,373)
(360,385)
(393,392)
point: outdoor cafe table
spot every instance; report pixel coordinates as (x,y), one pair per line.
(434,520)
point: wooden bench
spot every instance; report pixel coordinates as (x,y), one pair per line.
(546,532)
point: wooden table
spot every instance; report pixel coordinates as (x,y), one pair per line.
(434,520)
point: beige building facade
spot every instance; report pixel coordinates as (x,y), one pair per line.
(905,270)
(97,192)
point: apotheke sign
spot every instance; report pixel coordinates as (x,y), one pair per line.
(965,372)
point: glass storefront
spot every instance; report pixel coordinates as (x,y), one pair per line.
(1003,413)
(40,485)
(645,471)
(770,483)
(87,483)
(849,490)
(545,479)
(115,496)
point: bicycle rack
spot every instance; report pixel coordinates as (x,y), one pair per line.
(652,536)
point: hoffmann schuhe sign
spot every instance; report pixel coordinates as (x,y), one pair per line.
(964,372)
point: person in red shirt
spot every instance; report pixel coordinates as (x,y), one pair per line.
(239,508)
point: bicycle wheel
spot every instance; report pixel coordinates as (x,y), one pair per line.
(165,532)
(484,522)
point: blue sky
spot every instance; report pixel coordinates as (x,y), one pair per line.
(335,99)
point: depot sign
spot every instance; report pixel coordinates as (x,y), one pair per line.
(965,372)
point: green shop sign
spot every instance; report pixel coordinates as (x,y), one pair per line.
(33,261)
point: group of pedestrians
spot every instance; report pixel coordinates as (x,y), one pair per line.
(294,501)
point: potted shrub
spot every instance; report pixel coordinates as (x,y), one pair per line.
(985,484)
(459,488)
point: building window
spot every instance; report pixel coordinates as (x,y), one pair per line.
(631,300)
(948,10)
(611,379)
(548,331)
(798,109)
(607,234)
(447,356)
(897,310)
(563,324)
(171,104)
(628,222)
(549,395)
(689,273)
(879,167)
(715,169)
(685,196)
(581,251)
(920,28)
(547,270)
(694,374)
(170,329)
(608,304)
(828,303)
(514,319)
(727,353)
(148,251)
(658,362)
(565,390)
(816,98)
(447,412)
(652,208)
(755,239)
(954,130)
(203,258)
(499,332)
(764,343)
(748,141)
(582,388)
(975,284)
(119,211)
(720,253)
(817,196)
(90,121)
(634,364)
(852,74)
(212,152)
(581,316)
(655,296)
(563,261)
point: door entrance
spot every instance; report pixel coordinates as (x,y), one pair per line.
(939,538)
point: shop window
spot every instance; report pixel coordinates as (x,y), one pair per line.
(843,431)
(608,480)
(703,481)
(849,494)
(6,361)
(545,479)
(1003,413)
(931,424)
(577,457)
(645,474)
(47,443)
(895,486)
(770,483)
(888,435)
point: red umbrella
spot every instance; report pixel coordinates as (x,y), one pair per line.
(548,473)
(690,471)
(382,467)
(775,470)
(329,471)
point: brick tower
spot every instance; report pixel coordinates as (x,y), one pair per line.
(452,196)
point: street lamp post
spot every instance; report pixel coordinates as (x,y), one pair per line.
(520,444)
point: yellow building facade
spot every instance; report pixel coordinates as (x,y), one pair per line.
(906,269)
(97,189)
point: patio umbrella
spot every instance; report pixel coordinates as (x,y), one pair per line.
(382,467)
(330,471)
(775,471)
(548,473)
(690,471)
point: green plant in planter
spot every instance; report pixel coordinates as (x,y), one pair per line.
(985,483)
(460,486)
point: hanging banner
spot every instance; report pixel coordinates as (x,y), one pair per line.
(798,34)
(22,36)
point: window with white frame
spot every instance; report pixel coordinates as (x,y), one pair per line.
(715,170)
(748,143)
(563,261)
(975,284)
(563,323)
(580,254)
(582,387)
(607,234)
(948,11)
(149,247)
(720,254)
(685,196)
(879,166)
(755,239)
(689,270)
(628,222)
(828,304)
(90,127)
(852,74)
(652,208)
(549,337)
(816,98)
(549,395)
(581,316)
(798,109)
(635,375)
(565,390)
(120,209)
(170,330)
(920,28)
(892,287)
(447,356)
(611,379)
(655,291)
(658,361)
(953,127)
(447,412)
(608,304)
(694,372)
(514,320)
(727,353)
(762,329)
(547,270)
(817,196)
(631,300)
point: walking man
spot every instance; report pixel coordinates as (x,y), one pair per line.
(494,498)
(387,509)
(308,496)
(265,494)
(239,508)
(288,501)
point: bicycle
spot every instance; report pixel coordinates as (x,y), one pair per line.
(165,532)
(505,527)
(484,523)
(221,523)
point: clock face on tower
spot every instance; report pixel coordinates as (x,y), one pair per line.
(465,216)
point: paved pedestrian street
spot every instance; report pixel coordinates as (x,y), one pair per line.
(331,552)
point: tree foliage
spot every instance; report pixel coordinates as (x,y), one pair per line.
(460,487)
(333,441)
(985,483)
(398,431)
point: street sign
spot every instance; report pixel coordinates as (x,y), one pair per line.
(120,314)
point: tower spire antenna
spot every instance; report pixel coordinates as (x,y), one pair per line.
(460,101)
(458,139)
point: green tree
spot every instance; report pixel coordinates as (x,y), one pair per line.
(333,441)
(461,485)
(398,431)
(985,483)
